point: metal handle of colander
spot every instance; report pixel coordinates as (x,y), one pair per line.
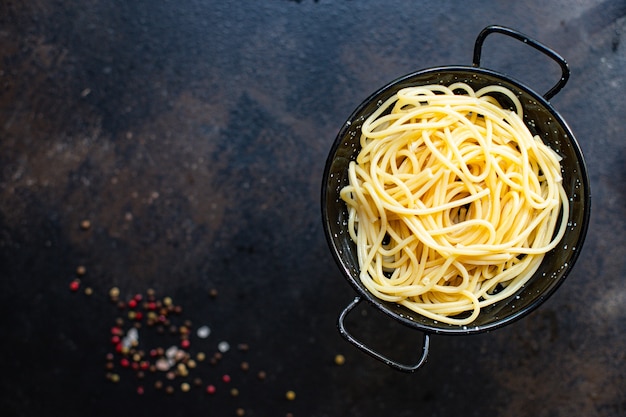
(478,46)
(350,338)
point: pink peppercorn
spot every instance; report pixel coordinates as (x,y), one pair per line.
(210,389)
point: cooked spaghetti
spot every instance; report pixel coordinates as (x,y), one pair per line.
(452,201)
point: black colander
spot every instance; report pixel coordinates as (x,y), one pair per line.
(542,120)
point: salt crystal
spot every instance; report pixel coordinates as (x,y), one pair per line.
(171,351)
(203,332)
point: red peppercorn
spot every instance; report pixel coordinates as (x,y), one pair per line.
(185,343)
(140,390)
(152,305)
(124,362)
(139,316)
(138,297)
(144,365)
(119,348)
(115,339)
(210,389)
(132,303)
(226,378)
(74,285)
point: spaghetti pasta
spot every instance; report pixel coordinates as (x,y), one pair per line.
(452,201)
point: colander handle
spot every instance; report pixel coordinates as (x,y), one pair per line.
(370,351)
(478,47)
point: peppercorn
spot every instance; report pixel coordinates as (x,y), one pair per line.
(114,292)
(74,285)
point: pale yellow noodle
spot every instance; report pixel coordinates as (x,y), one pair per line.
(466,197)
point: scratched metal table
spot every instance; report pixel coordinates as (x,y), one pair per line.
(192,136)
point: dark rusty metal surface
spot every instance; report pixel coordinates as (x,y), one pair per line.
(193,136)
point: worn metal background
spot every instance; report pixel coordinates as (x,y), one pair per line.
(193,134)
